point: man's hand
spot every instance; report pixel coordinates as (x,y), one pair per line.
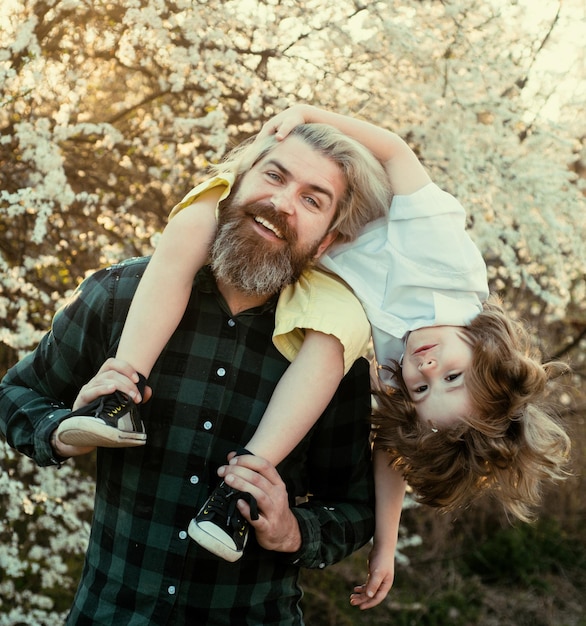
(276,528)
(65,450)
(114,375)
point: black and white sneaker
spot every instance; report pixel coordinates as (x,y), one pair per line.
(110,422)
(219,527)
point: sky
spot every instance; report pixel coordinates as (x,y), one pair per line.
(560,71)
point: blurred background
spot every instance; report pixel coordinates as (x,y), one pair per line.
(110,111)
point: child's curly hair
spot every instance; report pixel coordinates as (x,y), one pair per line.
(509,446)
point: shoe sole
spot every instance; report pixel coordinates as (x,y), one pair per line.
(211,543)
(88,431)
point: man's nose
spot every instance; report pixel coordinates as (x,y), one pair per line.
(283,200)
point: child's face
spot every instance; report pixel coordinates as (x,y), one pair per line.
(435,365)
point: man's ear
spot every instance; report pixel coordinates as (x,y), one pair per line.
(326,242)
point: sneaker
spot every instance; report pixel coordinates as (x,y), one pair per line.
(219,527)
(110,422)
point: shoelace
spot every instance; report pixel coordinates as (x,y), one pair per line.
(111,404)
(224,501)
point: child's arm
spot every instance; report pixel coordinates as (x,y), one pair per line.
(389,490)
(303,393)
(406,174)
(182,250)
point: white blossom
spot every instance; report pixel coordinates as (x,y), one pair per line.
(111,112)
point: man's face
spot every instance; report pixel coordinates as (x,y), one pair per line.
(435,365)
(277,219)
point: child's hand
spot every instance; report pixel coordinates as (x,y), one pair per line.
(381,573)
(283,123)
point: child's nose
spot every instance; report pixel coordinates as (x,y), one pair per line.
(427,363)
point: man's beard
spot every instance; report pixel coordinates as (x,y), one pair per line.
(243,259)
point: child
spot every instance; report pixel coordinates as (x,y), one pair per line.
(423,285)
(461,406)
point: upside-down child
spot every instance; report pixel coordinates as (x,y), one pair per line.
(457,380)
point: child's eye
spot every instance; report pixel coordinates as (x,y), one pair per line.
(420,389)
(452,377)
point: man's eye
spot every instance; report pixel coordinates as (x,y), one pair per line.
(273,175)
(312,201)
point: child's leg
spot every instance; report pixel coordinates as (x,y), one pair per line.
(163,292)
(299,399)
(302,395)
(390,491)
(155,312)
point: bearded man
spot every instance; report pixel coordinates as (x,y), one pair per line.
(210,387)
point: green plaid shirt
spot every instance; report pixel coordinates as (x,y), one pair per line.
(211,386)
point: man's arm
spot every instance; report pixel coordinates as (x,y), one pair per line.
(39,391)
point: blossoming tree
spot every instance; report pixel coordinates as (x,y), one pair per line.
(110,110)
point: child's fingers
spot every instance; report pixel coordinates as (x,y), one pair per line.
(271,128)
(363,602)
(286,125)
(359,596)
(283,130)
(373,592)
(282,124)
(374,583)
(379,595)
(278,129)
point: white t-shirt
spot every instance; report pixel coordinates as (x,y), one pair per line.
(416,267)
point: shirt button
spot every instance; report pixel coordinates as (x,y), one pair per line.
(171,590)
(194,480)
(321,565)
(182,534)
(221,371)
(207,425)
(231,323)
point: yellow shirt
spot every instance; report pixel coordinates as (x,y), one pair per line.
(317,301)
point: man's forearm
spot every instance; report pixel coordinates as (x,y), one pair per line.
(27,420)
(330,533)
